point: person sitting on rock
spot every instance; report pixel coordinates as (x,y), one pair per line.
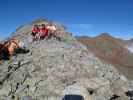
(43,32)
(35,31)
(4,52)
(52,29)
(53,32)
(10,47)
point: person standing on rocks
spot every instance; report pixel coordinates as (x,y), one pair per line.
(43,32)
(35,31)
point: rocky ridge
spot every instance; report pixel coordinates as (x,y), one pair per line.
(55,68)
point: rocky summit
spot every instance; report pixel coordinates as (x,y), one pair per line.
(53,69)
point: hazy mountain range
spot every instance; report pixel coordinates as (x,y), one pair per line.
(113,50)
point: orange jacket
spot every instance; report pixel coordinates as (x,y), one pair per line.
(11,45)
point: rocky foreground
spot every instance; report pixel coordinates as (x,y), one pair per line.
(53,69)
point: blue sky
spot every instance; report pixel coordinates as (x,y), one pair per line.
(82,17)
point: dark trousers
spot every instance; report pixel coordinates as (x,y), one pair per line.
(4,55)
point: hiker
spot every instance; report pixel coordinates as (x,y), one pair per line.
(10,47)
(43,32)
(52,30)
(35,31)
(4,52)
(13,45)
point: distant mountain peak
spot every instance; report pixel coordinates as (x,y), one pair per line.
(104,36)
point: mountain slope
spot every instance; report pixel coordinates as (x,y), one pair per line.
(111,50)
(129,45)
(55,68)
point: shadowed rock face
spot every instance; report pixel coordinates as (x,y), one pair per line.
(111,50)
(53,69)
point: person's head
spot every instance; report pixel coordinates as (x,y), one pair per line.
(50,24)
(35,26)
(13,38)
(43,25)
(39,26)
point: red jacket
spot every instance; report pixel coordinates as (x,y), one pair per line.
(44,32)
(35,30)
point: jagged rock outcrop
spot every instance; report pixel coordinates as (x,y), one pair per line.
(55,68)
